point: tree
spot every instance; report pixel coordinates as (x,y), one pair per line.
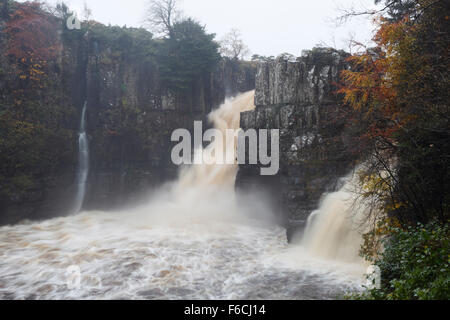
(35,134)
(33,36)
(5,9)
(162,14)
(87,12)
(259,58)
(232,45)
(393,10)
(413,265)
(400,92)
(189,54)
(62,11)
(399,95)
(398,9)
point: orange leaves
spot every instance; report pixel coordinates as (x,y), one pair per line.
(366,84)
(371,86)
(392,34)
(32,33)
(33,42)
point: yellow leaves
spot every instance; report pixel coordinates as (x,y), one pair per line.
(380,78)
(367,83)
(35,74)
(395,206)
(34,71)
(372,183)
(385,226)
(374,186)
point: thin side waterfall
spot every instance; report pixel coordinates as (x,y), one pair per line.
(83,162)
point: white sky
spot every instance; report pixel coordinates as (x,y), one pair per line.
(269,27)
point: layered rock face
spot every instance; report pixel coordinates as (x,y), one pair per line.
(297,96)
(131,115)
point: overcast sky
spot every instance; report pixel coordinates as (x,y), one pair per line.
(269,27)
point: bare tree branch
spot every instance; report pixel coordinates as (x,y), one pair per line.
(161,16)
(232,45)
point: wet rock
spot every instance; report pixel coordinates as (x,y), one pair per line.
(298,97)
(131,116)
(293,81)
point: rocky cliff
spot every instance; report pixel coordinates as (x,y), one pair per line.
(131,113)
(297,96)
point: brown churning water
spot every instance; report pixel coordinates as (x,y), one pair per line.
(191,240)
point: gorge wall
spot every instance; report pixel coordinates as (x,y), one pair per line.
(131,113)
(298,97)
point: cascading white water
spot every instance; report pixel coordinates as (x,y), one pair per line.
(335,230)
(83,162)
(333,235)
(192,240)
(226,117)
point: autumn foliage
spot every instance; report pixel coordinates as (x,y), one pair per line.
(34,139)
(33,33)
(398,93)
(32,39)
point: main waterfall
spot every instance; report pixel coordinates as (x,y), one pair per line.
(226,117)
(83,162)
(193,239)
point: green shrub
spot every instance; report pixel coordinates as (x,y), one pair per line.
(414,264)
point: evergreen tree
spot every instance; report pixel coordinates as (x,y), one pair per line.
(188,54)
(398,9)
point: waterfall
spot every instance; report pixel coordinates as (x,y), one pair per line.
(83,162)
(226,117)
(334,231)
(194,240)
